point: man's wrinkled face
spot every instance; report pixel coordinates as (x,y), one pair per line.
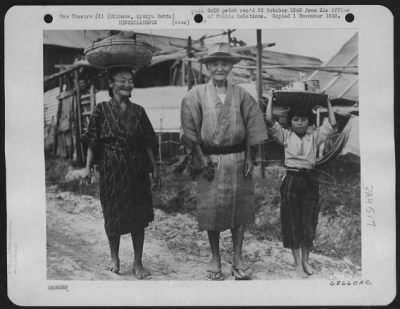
(219,69)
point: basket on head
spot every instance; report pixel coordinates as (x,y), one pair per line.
(119,51)
(306,100)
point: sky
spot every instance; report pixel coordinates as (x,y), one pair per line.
(319,43)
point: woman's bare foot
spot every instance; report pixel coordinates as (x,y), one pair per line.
(114,266)
(308,268)
(299,271)
(140,272)
(114,248)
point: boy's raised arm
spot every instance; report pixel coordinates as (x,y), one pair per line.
(331,114)
(268,113)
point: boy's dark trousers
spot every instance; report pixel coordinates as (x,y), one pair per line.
(299,208)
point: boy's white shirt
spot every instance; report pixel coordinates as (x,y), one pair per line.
(301,152)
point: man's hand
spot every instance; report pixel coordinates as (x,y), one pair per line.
(207,167)
(248,167)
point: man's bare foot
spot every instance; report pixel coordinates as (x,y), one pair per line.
(140,272)
(114,266)
(308,268)
(214,266)
(240,271)
(214,271)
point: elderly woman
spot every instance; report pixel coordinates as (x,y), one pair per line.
(122,141)
(221,122)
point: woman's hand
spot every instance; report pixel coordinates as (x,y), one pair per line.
(86,175)
(156,179)
(87,172)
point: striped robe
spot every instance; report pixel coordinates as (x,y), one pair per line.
(228,200)
(119,140)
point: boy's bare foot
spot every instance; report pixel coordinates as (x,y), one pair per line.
(140,272)
(114,266)
(308,268)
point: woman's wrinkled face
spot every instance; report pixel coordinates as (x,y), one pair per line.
(300,124)
(219,69)
(122,84)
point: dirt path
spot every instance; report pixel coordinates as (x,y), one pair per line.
(77,247)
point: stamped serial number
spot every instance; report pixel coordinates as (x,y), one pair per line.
(340,10)
(350,282)
(58,287)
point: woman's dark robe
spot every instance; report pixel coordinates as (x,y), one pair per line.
(119,140)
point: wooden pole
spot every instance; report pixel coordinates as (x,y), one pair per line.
(183,72)
(60,81)
(80,152)
(259,92)
(160,141)
(92,98)
(189,69)
(331,69)
(201,74)
(74,125)
(343,69)
(319,148)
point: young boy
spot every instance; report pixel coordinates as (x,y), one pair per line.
(300,189)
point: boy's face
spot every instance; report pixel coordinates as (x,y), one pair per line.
(300,125)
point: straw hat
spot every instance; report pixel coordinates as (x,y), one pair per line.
(220,51)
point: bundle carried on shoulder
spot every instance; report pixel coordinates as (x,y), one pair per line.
(119,50)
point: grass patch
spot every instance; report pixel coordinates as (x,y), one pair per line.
(57,169)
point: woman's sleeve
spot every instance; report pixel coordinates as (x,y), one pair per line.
(256,130)
(149,136)
(92,136)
